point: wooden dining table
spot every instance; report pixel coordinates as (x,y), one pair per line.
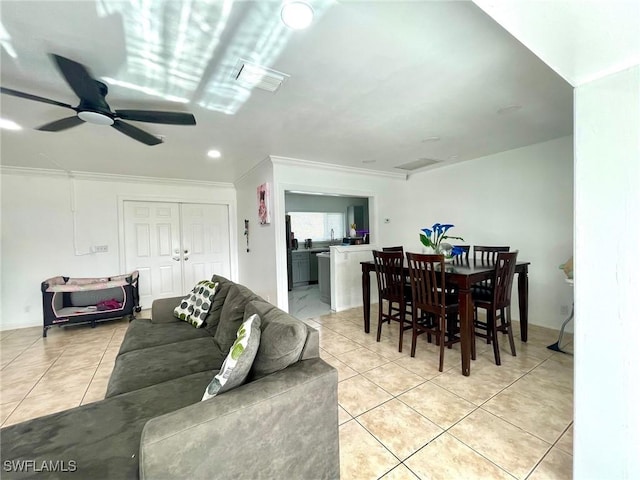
(463,277)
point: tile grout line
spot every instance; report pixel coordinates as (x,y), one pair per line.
(520,375)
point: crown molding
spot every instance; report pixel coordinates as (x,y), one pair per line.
(251,170)
(295,162)
(108,177)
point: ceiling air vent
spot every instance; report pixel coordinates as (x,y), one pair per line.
(253,75)
(420,163)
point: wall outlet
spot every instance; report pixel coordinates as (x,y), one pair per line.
(101,248)
(564,309)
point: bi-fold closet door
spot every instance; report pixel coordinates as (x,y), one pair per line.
(175,245)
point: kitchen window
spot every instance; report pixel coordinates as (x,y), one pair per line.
(317,225)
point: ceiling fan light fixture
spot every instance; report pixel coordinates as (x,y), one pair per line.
(297,15)
(95,117)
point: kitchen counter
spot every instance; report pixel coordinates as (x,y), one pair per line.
(312,250)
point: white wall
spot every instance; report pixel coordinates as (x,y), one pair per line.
(607,384)
(257,268)
(522,198)
(37,229)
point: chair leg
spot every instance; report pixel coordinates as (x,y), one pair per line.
(402,313)
(492,331)
(510,332)
(441,337)
(379,321)
(414,331)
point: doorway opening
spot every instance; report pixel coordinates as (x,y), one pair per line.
(314,222)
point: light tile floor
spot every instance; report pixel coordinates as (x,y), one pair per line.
(304,302)
(399,417)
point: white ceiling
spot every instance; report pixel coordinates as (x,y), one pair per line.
(581,40)
(369,82)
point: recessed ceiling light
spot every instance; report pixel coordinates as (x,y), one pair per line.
(214,154)
(297,15)
(509,109)
(431,139)
(9,124)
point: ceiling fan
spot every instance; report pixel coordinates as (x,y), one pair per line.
(93,107)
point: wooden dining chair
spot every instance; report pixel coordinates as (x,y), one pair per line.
(463,258)
(497,303)
(434,311)
(400,249)
(393,289)
(487,255)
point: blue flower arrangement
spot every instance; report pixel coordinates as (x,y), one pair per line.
(434,237)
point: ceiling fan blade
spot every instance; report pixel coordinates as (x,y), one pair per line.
(136,133)
(28,96)
(79,79)
(170,118)
(61,124)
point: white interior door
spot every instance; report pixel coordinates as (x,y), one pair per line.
(174,246)
(205,242)
(152,246)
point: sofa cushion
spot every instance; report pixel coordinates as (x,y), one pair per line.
(282,339)
(102,438)
(212,320)
(232,315)
(236,366)
(149,366)
(143,333)
(194,308)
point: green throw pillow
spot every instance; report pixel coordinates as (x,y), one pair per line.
(236,366)
(194,308)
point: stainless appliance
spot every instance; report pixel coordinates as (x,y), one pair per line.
(290,243)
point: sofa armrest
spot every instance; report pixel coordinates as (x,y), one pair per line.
(162,310)
(284,425)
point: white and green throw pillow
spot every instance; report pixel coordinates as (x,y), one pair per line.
(236,366)
(194,308)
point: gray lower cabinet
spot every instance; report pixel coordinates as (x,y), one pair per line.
(324,278)
(300,267)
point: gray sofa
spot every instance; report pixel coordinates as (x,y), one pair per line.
(281,423)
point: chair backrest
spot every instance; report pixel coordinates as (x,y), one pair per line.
(394,249)
(426,273)
(463,258)
(503,279)
(389,274)
(487,254)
